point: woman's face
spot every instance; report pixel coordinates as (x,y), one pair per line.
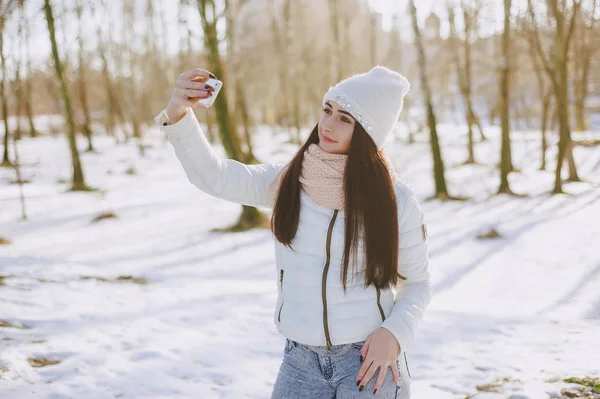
(335,129)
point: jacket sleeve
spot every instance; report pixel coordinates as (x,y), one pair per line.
(222,178)
(413,294)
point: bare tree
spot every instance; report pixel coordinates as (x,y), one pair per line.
(280,26)
(151,71)
(78,179)
(114,112)
(210,15)
(20,181)
(464,71)
(86,124)
(18,83)
(394,58)
(6,7)
(556,67)
(470,19)
(232,10)
(584,49)
(544,94)
(308,56)
(185,42)
(157,71)
(132,91)
(295,72)
(28,89)
(441,191)
(505,71)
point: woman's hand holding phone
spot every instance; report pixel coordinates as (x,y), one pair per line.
(196,88)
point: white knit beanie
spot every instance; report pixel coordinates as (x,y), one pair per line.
(373,98)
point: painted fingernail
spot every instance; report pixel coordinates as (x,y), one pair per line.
(375,391)
(212,76)
(361,388)
(361,358)
(207,86)
(357,382)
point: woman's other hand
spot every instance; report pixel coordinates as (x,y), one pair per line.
(380,351)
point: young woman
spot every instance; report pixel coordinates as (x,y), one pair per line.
(350,239)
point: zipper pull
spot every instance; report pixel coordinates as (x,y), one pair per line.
(281,276)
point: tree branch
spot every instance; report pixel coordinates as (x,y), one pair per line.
(537,43)
(576,7)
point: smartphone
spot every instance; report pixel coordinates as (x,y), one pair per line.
(215,84)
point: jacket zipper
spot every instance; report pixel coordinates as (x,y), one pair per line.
(323,291)
(280,285)
(324,281)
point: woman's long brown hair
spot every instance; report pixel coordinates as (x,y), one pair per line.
(371,209)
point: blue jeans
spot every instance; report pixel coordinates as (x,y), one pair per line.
(308,372)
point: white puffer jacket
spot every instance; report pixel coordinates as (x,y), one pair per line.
(311,306)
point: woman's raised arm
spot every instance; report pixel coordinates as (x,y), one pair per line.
(223,178)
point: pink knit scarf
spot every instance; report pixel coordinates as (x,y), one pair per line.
(322,177)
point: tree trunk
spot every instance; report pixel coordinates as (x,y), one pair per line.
(573,176)
(544,97)
(133,106)
(561,90)
(27,89)
(471,144)
(20,180)
(152,72)
(563,139)
(231,13)
(18,83)
(87,131)
(250,217)
(464,78)
(505,64)
(78,179)
(243,110)
(564,142)
(288,73)
(281,42)
(545,113)
(114,108)
(227,130)
(185,47)
(580,121)
(211,116)
(583,57)
(441,190)
(556,67)
(472,117)
(477,122)
(581,91)
(5,160)
(28,107)
(109,119)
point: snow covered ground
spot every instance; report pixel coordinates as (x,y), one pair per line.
(514,314)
